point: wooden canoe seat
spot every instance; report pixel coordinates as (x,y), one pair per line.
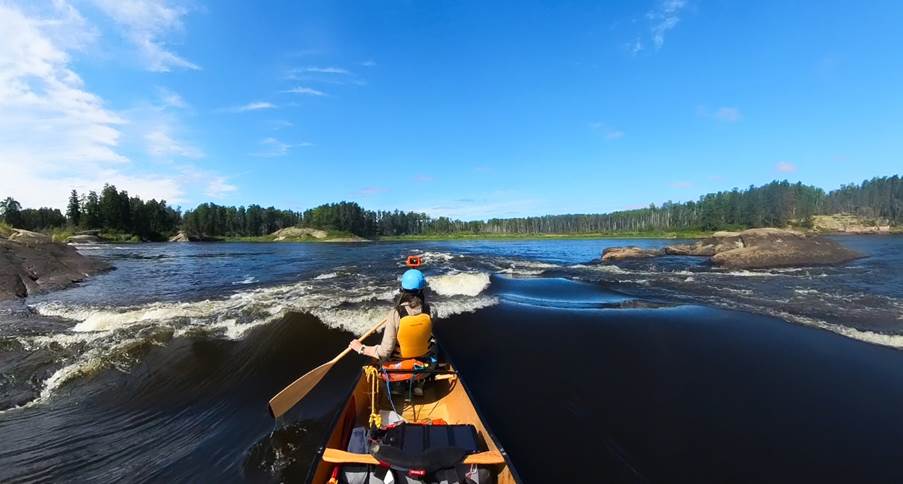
(336,456)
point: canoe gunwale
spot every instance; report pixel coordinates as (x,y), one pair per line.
(348,400)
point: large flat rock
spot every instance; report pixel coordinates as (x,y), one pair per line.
(30,264)
(751,249)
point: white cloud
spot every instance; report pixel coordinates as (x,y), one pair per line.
(272,147)
(49,124)
(325,70)
(219,187)
(785,167)
(145,23)
(56,135)
(252,106)
(664,17)
(305,90)
(160,143)
(368,63)
(171,99)
(681,185)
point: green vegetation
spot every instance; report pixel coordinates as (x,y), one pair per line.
(331,236)
(776,204)
(687,234)
(5,230)
(212,221)
(117,216)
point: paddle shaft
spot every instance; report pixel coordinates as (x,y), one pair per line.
(290,396)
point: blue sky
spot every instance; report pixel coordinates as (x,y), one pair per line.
(467,109)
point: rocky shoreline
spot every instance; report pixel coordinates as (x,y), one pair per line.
(750,249)
(31,262)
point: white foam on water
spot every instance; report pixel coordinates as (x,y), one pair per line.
(98,334)
(459,284)
(891,340)
(611,269)
(745,273)
(527,268)
(444,309)
(86,364)
(433,257)
(246,280)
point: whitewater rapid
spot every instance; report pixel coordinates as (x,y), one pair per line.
(351,302)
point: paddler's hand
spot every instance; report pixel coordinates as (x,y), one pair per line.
(356,346)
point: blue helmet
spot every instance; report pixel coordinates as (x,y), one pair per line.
(412,280)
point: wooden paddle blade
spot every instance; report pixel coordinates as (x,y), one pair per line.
(292,394)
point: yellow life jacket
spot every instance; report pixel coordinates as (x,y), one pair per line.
(414,333)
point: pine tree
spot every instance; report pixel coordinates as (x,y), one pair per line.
(10,209)
(73,211)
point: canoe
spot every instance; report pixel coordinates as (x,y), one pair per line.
(445,400)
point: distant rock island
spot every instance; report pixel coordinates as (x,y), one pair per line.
(31,262)
(750,249)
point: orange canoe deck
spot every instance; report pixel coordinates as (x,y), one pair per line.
(446,399)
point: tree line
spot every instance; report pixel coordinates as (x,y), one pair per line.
(775,204)
(112,211)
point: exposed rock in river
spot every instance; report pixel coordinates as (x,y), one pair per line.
(31,263)
(620,253)
(84,239)
(753,249)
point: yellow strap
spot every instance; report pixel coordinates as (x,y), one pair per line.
(372,375)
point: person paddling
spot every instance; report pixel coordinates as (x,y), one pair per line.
(408,330)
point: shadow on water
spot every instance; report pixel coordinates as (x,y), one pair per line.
(682,394)
(192,409)
(578,382)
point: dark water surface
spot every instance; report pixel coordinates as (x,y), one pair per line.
(663,370)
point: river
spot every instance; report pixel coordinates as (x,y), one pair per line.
(657,370)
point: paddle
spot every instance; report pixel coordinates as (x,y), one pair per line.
(298,389)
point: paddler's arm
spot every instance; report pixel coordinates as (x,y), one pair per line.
(385,348)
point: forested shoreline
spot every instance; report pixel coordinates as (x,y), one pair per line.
(776,204)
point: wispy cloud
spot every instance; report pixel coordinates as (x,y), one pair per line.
(171,99)
(502,203)
(728,115)
(305,91)
(681,185)
(664,17)
(785,167)
(146,23)
(724,114)
(252,106)
(219,187)
(368,63)
(423,178)
(635,47)
(273,148)
(325,70)
(161,143)
(278,124)
(607,132)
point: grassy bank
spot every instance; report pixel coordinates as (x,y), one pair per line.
(330,236)
(690,234)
